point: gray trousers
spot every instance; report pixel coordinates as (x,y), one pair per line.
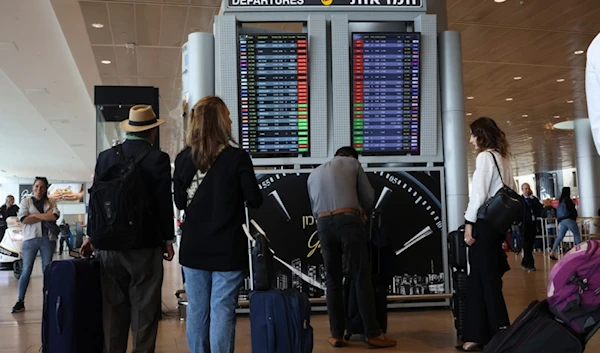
(131,291)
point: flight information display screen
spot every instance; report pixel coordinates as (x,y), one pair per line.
(273,94)
(385,93)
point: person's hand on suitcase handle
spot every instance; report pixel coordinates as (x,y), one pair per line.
(469,234)
(87,248)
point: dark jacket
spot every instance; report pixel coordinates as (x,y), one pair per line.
(156,168)
(570,208)
(531,206)
(6,212)
(212,236)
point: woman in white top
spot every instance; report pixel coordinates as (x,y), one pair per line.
(486,309)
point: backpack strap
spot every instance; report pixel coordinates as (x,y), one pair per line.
(119,151)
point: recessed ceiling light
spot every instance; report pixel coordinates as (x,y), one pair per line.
(97,25)
(578,52)
(570,101)
(525,116)
(517,78)
(470,97)
(469,114)
(557,117)
(498,1)
(36,91)
(509,99)
(106,62)
(560,80)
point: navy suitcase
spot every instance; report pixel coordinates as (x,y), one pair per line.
(72,313)
(280,322)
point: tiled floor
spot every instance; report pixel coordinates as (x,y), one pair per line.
(416,331)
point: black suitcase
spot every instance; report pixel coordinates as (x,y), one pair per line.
(459,266)
(381,260)
(72,312)
(537,330)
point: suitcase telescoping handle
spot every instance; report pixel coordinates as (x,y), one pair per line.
(249,247)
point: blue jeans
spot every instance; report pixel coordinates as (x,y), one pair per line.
(30,250)
(212,299)
(565,224)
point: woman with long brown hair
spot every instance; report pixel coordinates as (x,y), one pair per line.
(212,180)
(486,309)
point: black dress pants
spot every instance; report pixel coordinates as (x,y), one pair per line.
(528,233)
(486,309)
(344,235)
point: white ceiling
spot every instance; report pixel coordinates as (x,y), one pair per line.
(48,133)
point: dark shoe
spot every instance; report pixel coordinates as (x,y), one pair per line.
(19,307)
(531,269)
(336,342)
(553,257)
(380,341)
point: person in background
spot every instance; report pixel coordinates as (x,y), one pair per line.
(9,209)
(65,234)
(528,228)
(567,218)
(132,279)
(212,181)
(339,190)
(485,305)
(35,212)
(592,88)
(549,212)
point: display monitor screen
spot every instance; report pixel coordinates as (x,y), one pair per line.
(385,93)
(273,94)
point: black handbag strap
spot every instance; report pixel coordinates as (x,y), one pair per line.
(497,168)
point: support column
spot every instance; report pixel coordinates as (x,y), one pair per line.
(588,169)
(453,128)
(201,66)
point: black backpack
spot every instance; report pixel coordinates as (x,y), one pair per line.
(119,205)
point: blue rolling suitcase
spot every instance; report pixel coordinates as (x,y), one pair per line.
(280,322)
(72,314)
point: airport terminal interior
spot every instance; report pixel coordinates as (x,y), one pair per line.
(398,80)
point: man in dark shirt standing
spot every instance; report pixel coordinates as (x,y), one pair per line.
(338,191)
(132,279)
(533,208)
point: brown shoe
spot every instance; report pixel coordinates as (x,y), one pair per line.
(380,342)
(336,342)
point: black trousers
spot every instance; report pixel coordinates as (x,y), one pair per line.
(486,309)
(131,293)
(528,232)
(64,240)
(344,234)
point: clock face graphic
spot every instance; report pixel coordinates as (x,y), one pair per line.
(411,217)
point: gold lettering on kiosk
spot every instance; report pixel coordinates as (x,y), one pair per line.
(312,244)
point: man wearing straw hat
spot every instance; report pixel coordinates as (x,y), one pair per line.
(132,279)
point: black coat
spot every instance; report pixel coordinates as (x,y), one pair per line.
(212,236)
(156,168)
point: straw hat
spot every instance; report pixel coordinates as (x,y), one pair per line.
(13,222)
(141,118)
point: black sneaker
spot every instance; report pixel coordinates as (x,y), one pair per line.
(19,307)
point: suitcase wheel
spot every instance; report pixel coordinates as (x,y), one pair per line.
(347,337)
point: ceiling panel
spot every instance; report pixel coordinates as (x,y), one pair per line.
(147,21)
(106,53)
(122,22)
(126,61)
(172,25)
(97,12)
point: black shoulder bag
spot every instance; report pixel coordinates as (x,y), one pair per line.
(502,209)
